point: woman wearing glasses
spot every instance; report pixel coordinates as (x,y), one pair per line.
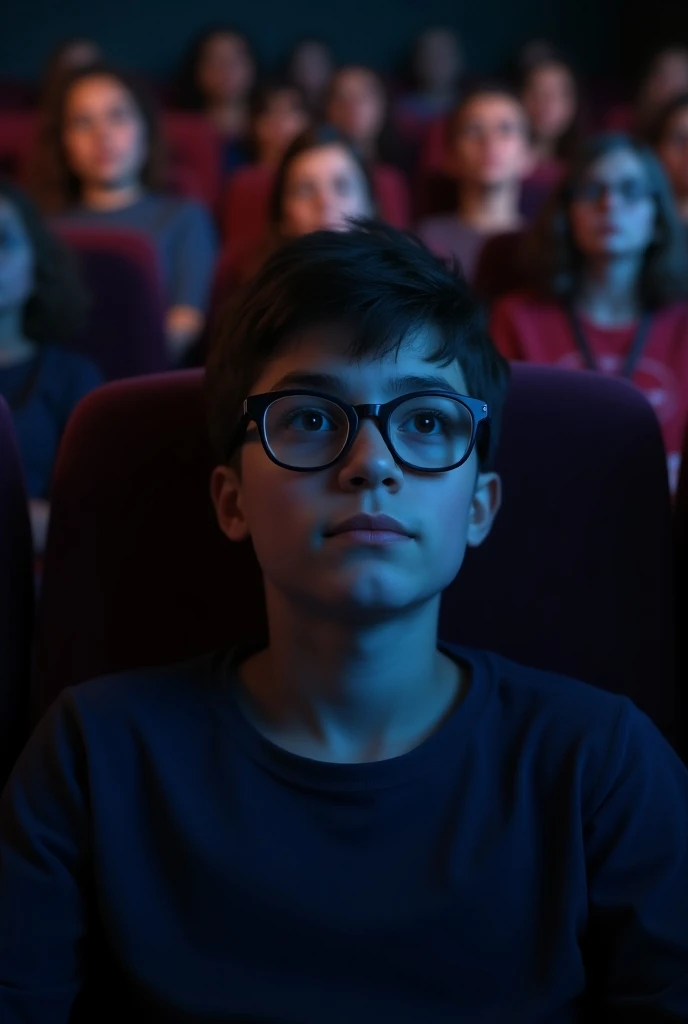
(610,275)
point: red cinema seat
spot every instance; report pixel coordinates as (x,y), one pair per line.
(576,577)
(125,333)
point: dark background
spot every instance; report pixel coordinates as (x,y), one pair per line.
(150,34)
(607,38)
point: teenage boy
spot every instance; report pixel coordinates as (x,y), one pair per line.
(352,821)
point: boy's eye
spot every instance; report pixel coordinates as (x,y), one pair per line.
(311,420)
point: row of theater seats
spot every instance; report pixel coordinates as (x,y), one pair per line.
(124,332)
(578,575)
(194,171)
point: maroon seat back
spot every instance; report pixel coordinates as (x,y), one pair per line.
(16,600)
(18,130)
(500,267)
(576,576)
(245,205)
(194,157)
(392,195)
(125,332)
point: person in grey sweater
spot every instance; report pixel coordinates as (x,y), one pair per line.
(101,165)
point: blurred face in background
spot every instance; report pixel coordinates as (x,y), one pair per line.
(357,105)
(16,259)
(667,78)
(550,101)
(104,134)
(324,189)
(613,212)
(226,70)
(438,61)
(673,152)
(283,117)
(311,68)
(490,144)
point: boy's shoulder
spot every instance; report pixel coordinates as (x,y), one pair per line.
(563,705)
(163,692)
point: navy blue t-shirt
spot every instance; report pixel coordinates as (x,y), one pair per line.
(160,860)
(42,393)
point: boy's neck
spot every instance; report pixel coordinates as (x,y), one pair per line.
(490,208)
(97,197)
(340,692)
(608,294)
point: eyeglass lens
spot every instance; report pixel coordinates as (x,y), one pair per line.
(428,432)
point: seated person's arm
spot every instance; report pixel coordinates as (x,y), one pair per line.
(193,262)
(183,324)
(39,512)
(44,872)
(636,839)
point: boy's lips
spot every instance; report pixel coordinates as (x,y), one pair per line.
(370,524)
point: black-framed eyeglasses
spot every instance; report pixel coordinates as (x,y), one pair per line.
(427,431)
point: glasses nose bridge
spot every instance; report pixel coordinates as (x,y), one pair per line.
(368,411)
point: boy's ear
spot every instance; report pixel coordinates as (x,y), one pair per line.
(485,505)
(226,494)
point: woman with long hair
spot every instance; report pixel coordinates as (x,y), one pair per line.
(100,162)
(320,184)
(216,79)
(610,281)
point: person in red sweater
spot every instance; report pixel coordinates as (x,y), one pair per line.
(609,261)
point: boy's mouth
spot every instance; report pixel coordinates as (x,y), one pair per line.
(382,528)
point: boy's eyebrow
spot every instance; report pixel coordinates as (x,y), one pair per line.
(329,382)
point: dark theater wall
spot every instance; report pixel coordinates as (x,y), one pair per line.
(149,34)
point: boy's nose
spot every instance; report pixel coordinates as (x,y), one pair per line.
(369,462)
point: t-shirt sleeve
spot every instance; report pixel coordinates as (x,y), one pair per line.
(44,843)
(636,946)
(504,331)
(193,257)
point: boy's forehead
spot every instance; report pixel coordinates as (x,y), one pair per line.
(326,349)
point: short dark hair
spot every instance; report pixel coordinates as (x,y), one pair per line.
(313,138)
(384,284)
(53,182)
(660,123)
(56,309)
(555,263)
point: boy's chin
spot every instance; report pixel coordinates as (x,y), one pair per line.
(366,601)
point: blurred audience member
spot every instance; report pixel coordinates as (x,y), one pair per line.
(665,78)
(321,184)
(669,136)
(310,68)
(99,164)
(41,304)
(549,94)
(357,106)
(488,157)
(216,79)
(436,68)
(278,115)
(609,254)
(70,55)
